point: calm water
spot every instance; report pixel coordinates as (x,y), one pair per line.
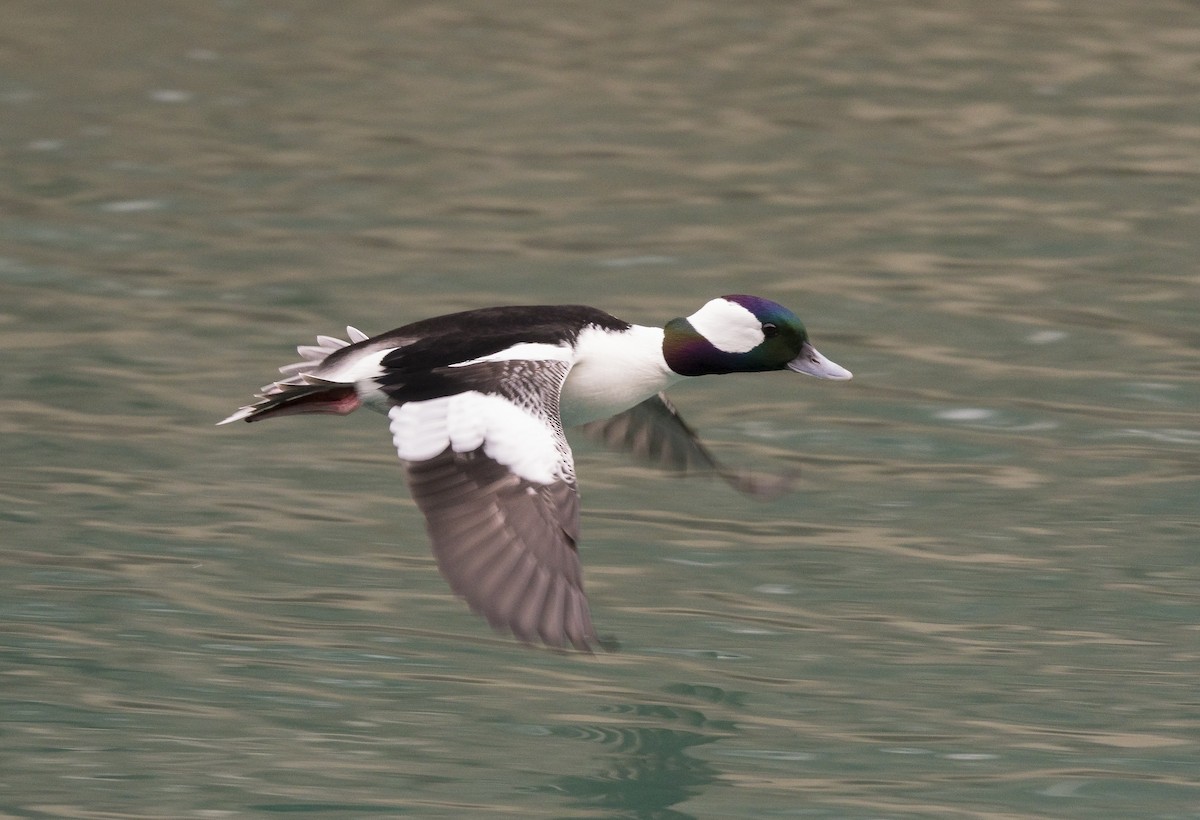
(982,602)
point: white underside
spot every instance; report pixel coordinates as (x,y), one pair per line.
(613,372)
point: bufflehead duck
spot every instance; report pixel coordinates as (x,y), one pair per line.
(477,402)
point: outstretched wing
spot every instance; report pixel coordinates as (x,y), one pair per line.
(489,467)
(655,432)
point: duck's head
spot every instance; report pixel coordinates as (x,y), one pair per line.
(743,334)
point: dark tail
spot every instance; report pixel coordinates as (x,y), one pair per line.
(302,391)
(338,399)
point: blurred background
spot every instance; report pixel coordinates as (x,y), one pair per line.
(981,602)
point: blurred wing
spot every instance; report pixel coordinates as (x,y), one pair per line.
(492,473)
(655,432)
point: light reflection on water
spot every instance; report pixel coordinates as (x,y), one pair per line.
(981,600)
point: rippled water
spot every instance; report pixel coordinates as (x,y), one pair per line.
(982,601)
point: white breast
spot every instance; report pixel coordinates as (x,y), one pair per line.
(613,371)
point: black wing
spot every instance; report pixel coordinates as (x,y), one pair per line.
(493,475)
(506,545)
(655,432)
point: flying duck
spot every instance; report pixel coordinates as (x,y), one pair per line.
(477,402)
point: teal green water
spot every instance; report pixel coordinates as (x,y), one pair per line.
(982,601)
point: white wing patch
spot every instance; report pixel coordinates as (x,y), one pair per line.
(467,421)
(531,351)
(728,326)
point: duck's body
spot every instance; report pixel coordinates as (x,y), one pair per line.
(477,402)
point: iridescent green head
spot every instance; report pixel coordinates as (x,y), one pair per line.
(743,334)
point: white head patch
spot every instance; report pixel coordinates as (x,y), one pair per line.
(728,326)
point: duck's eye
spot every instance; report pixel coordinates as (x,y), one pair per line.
(769,329)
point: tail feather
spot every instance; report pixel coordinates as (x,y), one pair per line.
(302,392)
(291,400)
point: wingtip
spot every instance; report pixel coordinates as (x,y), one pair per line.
(762,486)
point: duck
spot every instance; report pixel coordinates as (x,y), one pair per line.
(477,403)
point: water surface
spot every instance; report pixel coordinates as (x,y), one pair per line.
(981,602)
